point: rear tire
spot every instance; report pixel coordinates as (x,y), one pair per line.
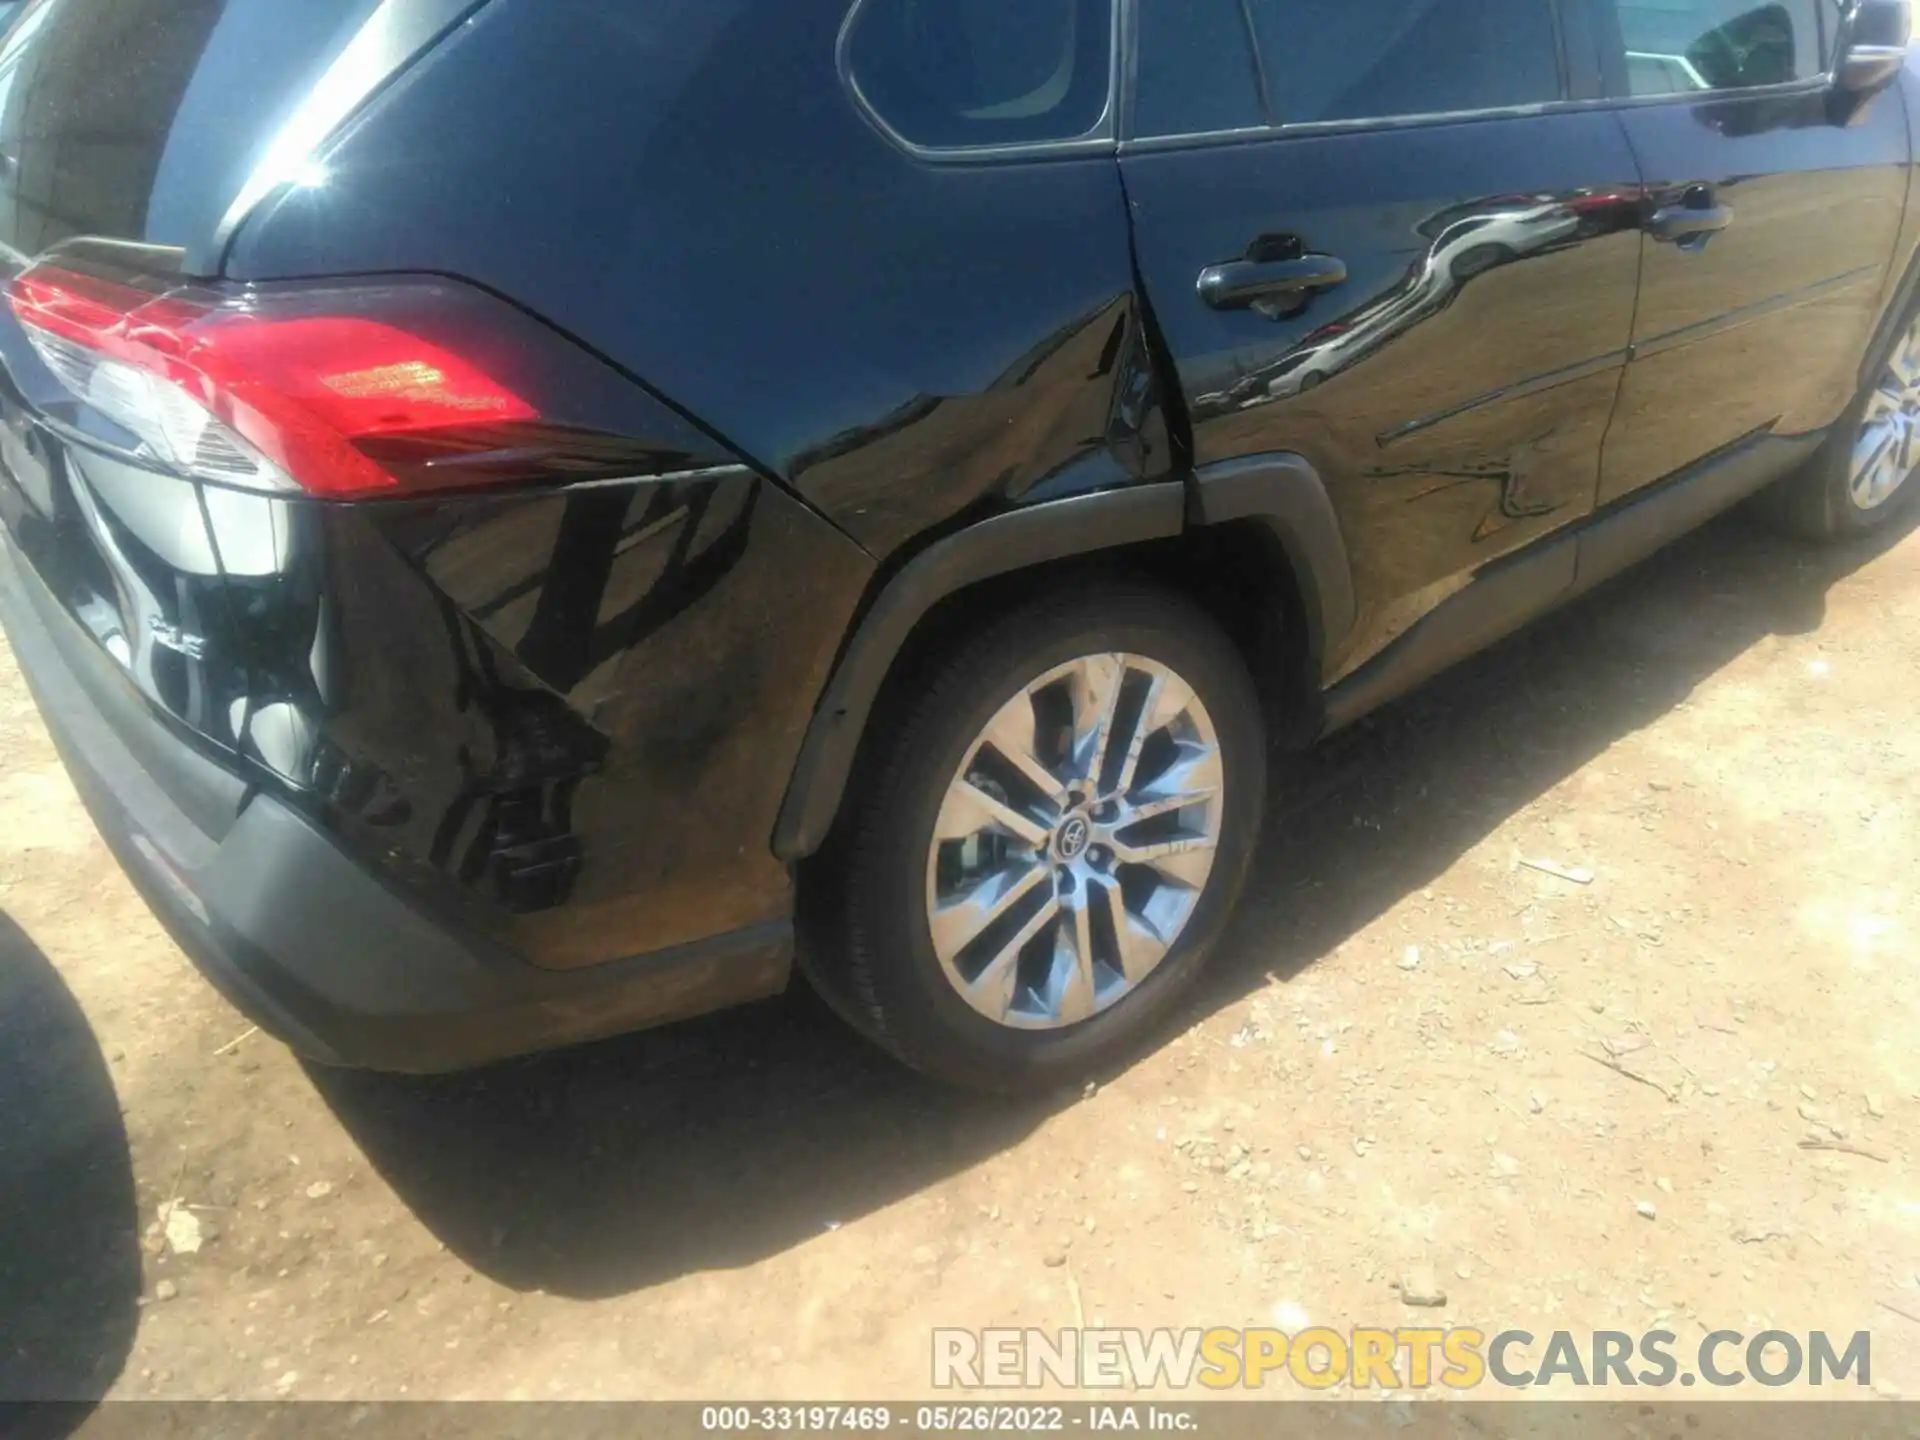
(1039,996)
(1862,479)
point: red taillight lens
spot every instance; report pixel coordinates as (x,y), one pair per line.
(340,391)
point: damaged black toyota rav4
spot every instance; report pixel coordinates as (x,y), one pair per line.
(514,511)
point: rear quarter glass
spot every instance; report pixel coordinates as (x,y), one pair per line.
(977,74)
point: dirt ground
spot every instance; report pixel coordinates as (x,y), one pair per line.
(1395,1065)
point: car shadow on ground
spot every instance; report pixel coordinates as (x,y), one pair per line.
(704,1146)
(69,1224)
(715,1144)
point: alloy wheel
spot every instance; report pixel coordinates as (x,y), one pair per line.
(1075,841)
(1887,450)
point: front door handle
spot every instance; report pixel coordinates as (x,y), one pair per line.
(1689,226)
(1239,284)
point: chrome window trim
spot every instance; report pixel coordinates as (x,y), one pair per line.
(1249,134)
(1099,140)
(1207,139)
(1816,85)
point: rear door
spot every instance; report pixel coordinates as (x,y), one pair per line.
(1382,235)
(1770,227)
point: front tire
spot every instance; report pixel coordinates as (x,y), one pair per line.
(1046,839)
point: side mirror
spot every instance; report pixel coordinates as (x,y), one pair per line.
(1873,46)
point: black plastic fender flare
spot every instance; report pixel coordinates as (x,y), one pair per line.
(1281,491)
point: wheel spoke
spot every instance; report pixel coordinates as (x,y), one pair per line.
(1097,682)
(1166,912)
(1888,449)
(1886,403)
(1905,363)
(1136,741)
(1167,699)
(1167,804)
(1876,438)
(1141,947)
(1073,988)
(1878,480)
(1195,777)
(1186,859)
(1887,444)
(994,988)
(959,922)
(1887,475)
(969,810)
(1879,445)
(1015,739)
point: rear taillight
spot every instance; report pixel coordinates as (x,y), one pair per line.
(342,391)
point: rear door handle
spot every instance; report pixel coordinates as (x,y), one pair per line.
(1239,284)
(1689,226)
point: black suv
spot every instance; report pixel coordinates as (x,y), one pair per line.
(516,510)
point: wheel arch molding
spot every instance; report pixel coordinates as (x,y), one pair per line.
(1285,494)
(1282,493)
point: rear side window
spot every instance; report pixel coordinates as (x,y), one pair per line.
(1198,73)
(970,74)
(1679,47)
(1209,65)
(1383,59)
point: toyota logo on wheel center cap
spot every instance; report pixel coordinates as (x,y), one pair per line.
(1071,842)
